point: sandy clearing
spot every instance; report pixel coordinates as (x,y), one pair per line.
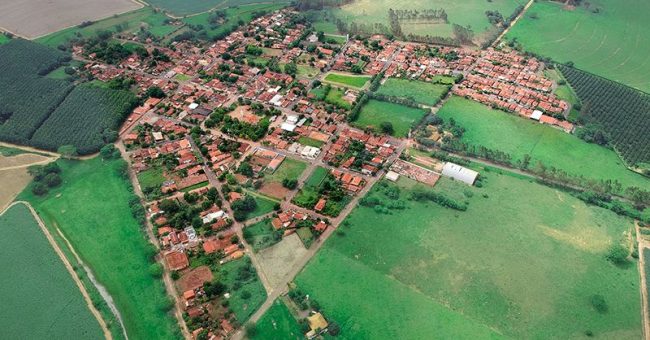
(12,182)
(278,260)
(35,18)
(23,160)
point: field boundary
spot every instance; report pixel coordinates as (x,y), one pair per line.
(643,289)
(68,266)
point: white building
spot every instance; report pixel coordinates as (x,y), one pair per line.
(537,114)
(392,176)
(213,216)
(459,173)
(310,152)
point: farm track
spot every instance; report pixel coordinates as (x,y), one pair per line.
(514,22)
(68,266)
(643,247)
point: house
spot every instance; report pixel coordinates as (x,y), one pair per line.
(320,205)
(317,324)
(177,260)
(459,173)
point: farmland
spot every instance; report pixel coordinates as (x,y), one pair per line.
(529,271)
(516,136)
(156,23)
(91,209)
(184,8)
(33,274)
(347,80)
(401,117)
(608,38)
(623,113)
(420,92)
(278,323)
(464,13)
(19,17)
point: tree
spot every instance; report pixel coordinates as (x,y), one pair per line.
(156,270)
(251,329)
(599,303)
(39,189)
(387,128)
(109,151)
(155,92)
(289,183)
(68,151)
(618,254)
(291,69)
(52,180)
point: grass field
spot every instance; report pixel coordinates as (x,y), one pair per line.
(130,22)
(347,80)
(421,92)
(527,271)
(310,142)
(243,307)
(39,298)
(468,12)
(306,71)
(517,136)
(260,235)
(402,117)
(277,323)
(152,178)
(265,204)
(183,8)
(335,97)
(611,43)
(91,209)
(289,169)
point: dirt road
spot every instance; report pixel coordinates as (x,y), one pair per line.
(643,247)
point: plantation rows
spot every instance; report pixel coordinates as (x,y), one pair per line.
(48,113)
(622,112)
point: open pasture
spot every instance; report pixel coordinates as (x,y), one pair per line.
(608,38)
(517,136)
(401,117)
(421,92)
(34,18)
(39,298)
(278,323)
(524,261)
(190,7)
(348,80)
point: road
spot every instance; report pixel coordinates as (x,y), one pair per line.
(644,246)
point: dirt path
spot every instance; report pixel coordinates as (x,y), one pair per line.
(643,245)
(45,152)
(503,34)
(68,266)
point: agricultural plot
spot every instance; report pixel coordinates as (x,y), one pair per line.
(518,137)
(531,270)
(91,209)
(154,22)
(401,117)
(347,80)
(186,8)
(420,92)
(472,12)
(40,299)
(33,18)
(277,323)
(623,113)
(605,37)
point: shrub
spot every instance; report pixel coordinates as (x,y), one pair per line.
(618,254)
(599,303)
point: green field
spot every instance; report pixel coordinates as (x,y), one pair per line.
(91,209)
(264,206)
(468,12)
(310,142)
(421,92)
(261,235)
(335,97)
(522,262)
(347,80)
(277,323)
(39,298)
(402,117)
(151,179)
(516,136)
(130,22)
(611,43)
(230,274)
(289,169)
(306,71)
(188,7)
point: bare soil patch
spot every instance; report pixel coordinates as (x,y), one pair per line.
(244,114)
(22,160)
(194,279)
(12,182)
(279,260)
(274,189)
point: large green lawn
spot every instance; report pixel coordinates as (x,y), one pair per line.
(289,169)
(347,80)
(39,298)
(241,304)
(612,43)
(523,261)
(402,117)
(189,7)
(91,209)
(233,15)
(421,92)
(517,136)
(278,323)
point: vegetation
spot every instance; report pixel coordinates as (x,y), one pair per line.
(604,37)
(32,274)
(91,209)
(246,290)
(511,269)
(418,91)
(262,235)
(623,113)
(277,323)
(356,82)
(198,6)
(401,117)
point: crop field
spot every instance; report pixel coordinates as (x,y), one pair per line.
(421,92)
(40,299)
(278,323)
(530,270)
(189,7)
(469,12)
(347,80)
(402,117)
(91,209)
(154,22)
(611,43)
(517,136)
(33,18)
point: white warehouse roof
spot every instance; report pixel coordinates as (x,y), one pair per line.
(459,173)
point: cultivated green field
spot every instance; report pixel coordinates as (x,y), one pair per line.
(516,136)
(468,12)
(421,92)
(130,22)
(347,80)
(612,43)
(278,323)
(289,169)
(523,261)
(402,117)
(91,209)
(189,7)
(39,298)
